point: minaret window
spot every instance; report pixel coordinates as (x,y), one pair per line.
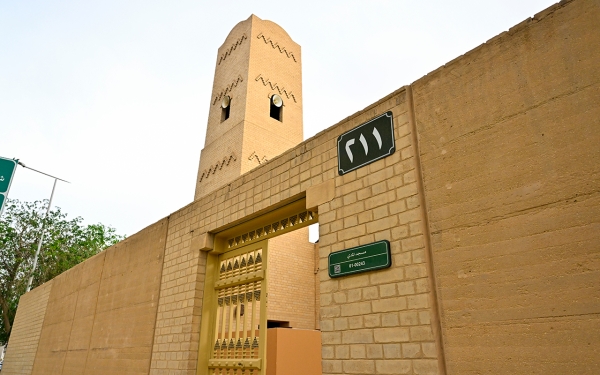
(276,111)
(225,107)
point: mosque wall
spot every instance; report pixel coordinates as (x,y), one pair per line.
(292,290)
(367,320)
(384,321)
(26,331)
(96,318)
(509,137)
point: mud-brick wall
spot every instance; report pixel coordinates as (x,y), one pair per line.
(26,331)
(100,315)
(378,322)
(510,150)
(291,275)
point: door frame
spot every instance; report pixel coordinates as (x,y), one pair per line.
(255,230)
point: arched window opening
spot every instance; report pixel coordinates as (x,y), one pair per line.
(276,111)
(225,107)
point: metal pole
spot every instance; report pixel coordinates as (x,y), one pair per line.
(37,253)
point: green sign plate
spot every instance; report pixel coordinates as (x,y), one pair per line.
(366,143)
(7,170)
(373,256)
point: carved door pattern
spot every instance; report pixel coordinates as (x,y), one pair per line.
(240,319)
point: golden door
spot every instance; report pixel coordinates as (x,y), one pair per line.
(240,315)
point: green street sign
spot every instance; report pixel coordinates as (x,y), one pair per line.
(7,171)
(366,143)
(373,256)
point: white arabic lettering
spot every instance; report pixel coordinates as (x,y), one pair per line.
(356,254)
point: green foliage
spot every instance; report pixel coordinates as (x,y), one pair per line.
(66,244)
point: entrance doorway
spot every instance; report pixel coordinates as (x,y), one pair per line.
(242,280)
(239,321)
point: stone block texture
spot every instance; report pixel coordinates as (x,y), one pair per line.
(96,318)
(292,281)
(353,302)
(509,137)
(26,331)
(368,319)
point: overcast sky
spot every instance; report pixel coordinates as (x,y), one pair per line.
(113,96)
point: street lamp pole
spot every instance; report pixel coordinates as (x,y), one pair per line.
(39,248)
(37,252)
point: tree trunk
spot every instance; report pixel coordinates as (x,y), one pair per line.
(5,317)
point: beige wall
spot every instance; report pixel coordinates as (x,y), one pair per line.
(378,322)
(26,331)
(98,317)
(510,148)
(292,279)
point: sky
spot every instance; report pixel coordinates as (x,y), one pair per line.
(113,96)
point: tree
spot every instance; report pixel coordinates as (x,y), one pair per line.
(66,244)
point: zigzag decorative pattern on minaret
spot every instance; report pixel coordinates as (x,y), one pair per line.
(275,86)
(227,89)
(254,156)
(276,45)
(232,48)
(218,166)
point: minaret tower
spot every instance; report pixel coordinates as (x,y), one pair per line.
(256,104)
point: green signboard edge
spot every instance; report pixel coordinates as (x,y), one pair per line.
(5,194)
(12,173)
(387,265)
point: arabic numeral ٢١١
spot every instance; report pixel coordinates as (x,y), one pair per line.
(363,141)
